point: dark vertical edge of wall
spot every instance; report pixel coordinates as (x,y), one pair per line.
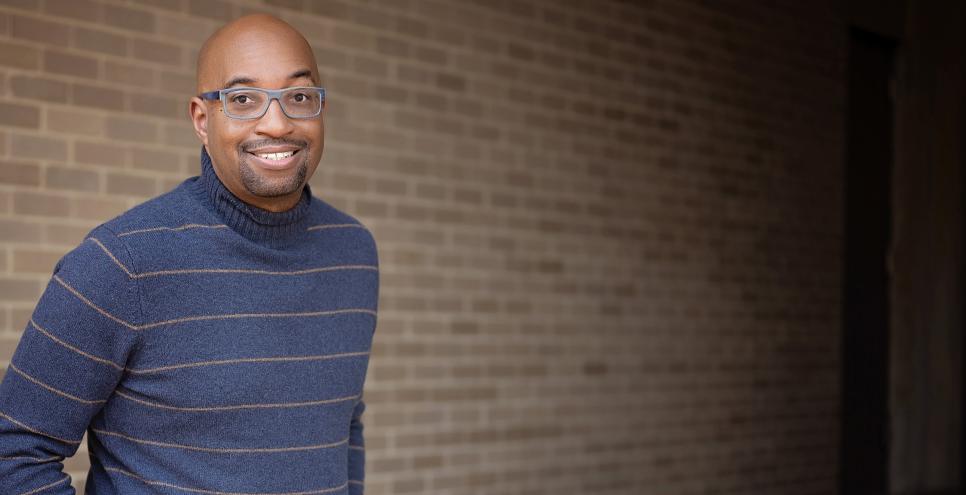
(868,217)
(926,388)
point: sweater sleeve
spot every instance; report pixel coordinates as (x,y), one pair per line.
(67,363)
(357,451)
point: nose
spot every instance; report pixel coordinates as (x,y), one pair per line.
(274,123)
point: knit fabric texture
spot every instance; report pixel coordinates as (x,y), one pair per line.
(205,346)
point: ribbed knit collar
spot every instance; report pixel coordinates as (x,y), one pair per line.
(250,221)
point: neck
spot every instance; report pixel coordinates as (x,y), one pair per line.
(251,220)
(275,204)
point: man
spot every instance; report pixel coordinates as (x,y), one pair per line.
(214,339)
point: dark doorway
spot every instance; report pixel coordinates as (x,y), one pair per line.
(869,163)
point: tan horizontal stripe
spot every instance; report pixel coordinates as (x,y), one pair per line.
(52,389)
(37,459)
(214,492)
(111,255)
(184,271)
(245,360)
(174,229)
(254,315)
(357,447)
(356,482)
(279,405)
(220,450)
(335,226)
(50,485)
(207,317)
(32,430)
(252,271)
(221,226)
(82,353)
(92,305)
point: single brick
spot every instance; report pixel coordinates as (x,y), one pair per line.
(75,121)
(67,235)
(19,173)
(39,88)
(98,97)
(131,129)
(172,5)
(298,5)
(185,29)
(99,154)
(161,106)
(19,56)
(352,38)
(130,74)
(181,134)
(40,203)
(16,114)
(57,62)
(22,4)
(130,185)
(84,10)
(393,47)
(40,31)
(13,230)
(34,260)
(162,161)
(135,20)
(177,82)
(212,9)
(100,41)
(451,82)
(16,290)
(73,179)
(43,148)
(392,94)
(99,209)
(334,9)
(412,27)
(157,51)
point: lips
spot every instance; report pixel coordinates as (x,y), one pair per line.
(275,159)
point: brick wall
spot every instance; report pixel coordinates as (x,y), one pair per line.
(609,230)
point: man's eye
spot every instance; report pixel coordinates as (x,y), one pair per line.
(300,97)
(241,99)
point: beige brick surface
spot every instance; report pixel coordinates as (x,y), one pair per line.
(19,115)
(69,64)
(39,88)
(609,231)
(100,41)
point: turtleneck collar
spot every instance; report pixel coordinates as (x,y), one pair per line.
(254,223)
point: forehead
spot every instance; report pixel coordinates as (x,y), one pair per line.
(267,57)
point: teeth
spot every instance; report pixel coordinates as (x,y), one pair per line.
(276,156)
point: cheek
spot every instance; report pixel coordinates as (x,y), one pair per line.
(231,134)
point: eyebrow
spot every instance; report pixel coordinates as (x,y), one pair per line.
(248,80)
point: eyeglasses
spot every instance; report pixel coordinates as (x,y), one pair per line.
(303,102)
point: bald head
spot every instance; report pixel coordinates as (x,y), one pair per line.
(264,52)
(250,39)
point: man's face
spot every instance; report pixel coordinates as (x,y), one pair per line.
(265,59)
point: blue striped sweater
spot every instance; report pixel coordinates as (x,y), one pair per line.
(205,346)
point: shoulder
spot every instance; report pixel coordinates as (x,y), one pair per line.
(327,216)
(164,210)
(106,247)
(337,229)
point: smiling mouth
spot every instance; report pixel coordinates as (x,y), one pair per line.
(276,156)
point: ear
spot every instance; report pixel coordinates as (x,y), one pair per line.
(198,112)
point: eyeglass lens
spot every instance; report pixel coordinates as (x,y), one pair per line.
(296,103)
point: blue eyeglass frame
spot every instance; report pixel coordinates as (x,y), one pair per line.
(273,94)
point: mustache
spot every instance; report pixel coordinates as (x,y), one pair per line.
(259,143)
